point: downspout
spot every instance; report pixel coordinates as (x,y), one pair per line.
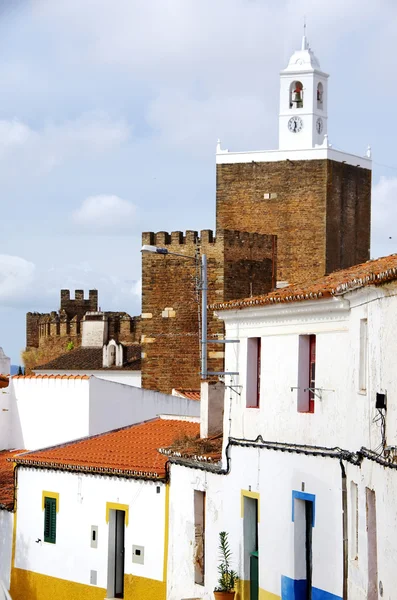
(345,530)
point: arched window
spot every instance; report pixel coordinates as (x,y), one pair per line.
(111,355)
(320,93)
(296,95)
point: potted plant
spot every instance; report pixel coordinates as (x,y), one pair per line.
(227,577)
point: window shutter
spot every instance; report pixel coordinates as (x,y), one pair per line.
(50,520)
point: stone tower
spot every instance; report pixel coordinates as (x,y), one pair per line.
(316,199)
(313,199)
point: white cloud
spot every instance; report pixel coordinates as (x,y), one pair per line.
(105,213)
(16,277)
(24,149)
(384,217)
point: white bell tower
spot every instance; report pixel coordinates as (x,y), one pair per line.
(303,102)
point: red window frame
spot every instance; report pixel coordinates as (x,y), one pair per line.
(253,373)
(312,372)
(258,371)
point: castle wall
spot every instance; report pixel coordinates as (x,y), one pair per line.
(48,335)
(171,304)
(304,203)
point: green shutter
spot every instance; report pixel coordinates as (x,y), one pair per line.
(50,520)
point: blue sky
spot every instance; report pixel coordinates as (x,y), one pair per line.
(110,112)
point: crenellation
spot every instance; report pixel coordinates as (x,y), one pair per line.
(177,237)
(236,266)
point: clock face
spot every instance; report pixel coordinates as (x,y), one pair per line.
(295,124)
(319,125)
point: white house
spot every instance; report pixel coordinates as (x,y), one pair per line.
(42,410)
(307,485)
(92,515)
(50,409)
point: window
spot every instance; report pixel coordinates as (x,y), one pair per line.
(362,372)
(353,521)
(199,535)
(296,95)
(253,372)
(320,92)
(306,373)
(50,519)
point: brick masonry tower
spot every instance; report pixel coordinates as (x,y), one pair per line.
(240,264)
(316,199)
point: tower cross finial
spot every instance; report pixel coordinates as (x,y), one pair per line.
(304,41)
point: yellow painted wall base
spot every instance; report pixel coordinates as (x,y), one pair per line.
(263,595)
(26,585)
(243,592)
(147,589)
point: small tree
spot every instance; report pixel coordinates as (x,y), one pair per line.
(227,577)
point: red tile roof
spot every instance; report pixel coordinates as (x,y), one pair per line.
(130,452)
(7,478)
(4,381)
(51,377)
(190,394)
(372,272)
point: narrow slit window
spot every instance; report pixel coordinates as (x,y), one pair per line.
(199,537)
(363,367)
(254,351)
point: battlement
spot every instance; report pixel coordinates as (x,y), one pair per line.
(206,237)
(79,305)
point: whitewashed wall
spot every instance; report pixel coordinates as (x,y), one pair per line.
(5,363)
(336,323)
(5,419)
(118,376)
(110,401)
(274,475)
(82,504)
(6,529)
(47,412)
(384,482)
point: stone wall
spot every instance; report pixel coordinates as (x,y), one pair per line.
(238,263)
(49,334)
(319,210)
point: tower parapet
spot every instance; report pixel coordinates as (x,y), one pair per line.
(240,264)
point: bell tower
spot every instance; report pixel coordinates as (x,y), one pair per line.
(303,102)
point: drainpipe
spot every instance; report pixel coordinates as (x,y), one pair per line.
(345,531)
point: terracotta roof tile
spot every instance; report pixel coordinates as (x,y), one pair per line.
(187,393)
(372,272)
(51,376)
(131,451)
(91,359)
(7,478)
(4,381)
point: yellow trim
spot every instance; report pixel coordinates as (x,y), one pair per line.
(115,506)
(166,530)
(264,595)
(50,495)
(248,494)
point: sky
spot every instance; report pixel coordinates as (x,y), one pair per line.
(110,112)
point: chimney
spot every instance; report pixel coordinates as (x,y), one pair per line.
(212,400)
(95,330)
